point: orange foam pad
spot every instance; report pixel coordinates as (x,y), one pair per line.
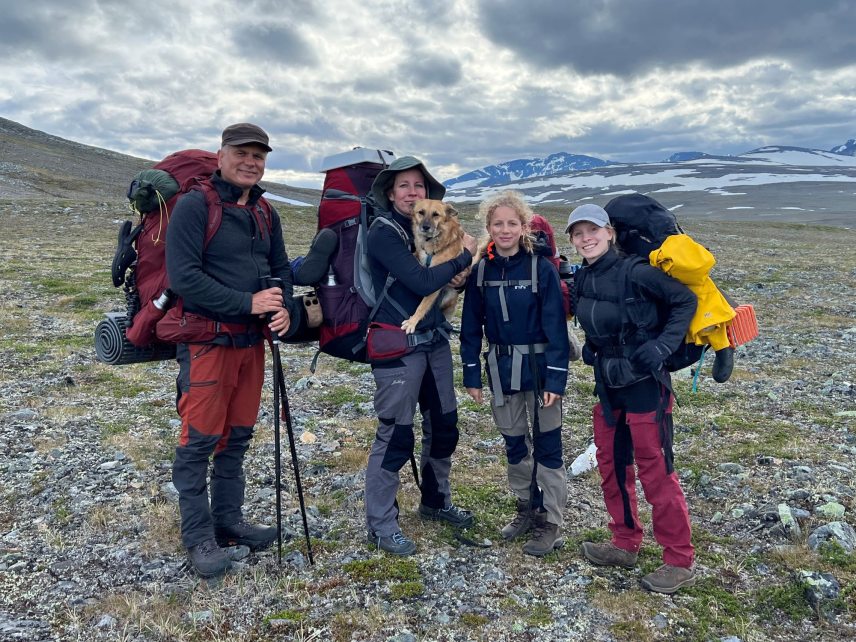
(744,326)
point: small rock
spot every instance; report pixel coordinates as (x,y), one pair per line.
(731,468)
(838,532)
(24,414)
(295,559)
(106,622)
(169,492)
(832,510)
(820,589)
(790,526)
(200,616)
(800,495)
(660,621)
(308,438)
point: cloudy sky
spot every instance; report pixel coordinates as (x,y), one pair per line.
(459,83)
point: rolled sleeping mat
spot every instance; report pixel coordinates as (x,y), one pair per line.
(113,348)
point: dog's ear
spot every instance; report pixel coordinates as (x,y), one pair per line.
(450,211)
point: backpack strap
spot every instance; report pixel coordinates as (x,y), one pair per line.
(215,208)
(532,282)
(516,351)
(625,273)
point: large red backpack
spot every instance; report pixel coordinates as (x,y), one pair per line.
(347,295)
(545,245)
(140,261)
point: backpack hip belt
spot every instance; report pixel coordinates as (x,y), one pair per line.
(516,351)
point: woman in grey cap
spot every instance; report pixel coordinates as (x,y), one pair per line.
(634,317)
(423,376)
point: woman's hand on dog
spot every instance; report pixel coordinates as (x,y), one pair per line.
(460,279)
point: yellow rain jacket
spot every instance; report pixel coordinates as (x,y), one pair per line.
(690,263)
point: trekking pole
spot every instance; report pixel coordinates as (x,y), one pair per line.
(274,347)
(535,493)
(281,401)
(286,411)
(415,469)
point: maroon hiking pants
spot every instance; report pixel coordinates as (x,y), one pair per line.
(662,488)
(219,393)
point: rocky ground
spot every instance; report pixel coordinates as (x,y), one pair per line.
(89,544)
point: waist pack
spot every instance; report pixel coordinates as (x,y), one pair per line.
(386,342)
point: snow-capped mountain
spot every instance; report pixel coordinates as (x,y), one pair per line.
(786,155)
(785,182)
(848,148)
(560,163)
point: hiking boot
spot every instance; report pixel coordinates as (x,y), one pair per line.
(608,554)
(545,538)
(723,364)
(668,579)
(522,522)
(256,537)
(317,260)
(208,559)
(397,543)
(457,517)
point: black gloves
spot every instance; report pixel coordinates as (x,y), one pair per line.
(649,356)
(589,354)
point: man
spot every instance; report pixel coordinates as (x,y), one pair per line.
(424,376)
(219,382)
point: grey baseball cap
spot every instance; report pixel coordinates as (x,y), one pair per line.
(245,134)
(588,212)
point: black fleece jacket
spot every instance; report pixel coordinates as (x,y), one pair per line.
(218,282)
(663,306)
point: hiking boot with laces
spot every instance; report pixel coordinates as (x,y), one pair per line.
(545,538)
(522,522)
(457,517)
(397,543)
(668,579)
(608,554)
(208,559)
(244,533)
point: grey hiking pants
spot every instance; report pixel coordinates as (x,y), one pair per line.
(514,419)
(423,378)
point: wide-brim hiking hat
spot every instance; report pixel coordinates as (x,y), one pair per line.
(588,212)
(383,181)
(245,134)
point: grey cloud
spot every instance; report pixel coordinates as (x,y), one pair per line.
(625,37)
(275,43)
(428,70)
(46,30)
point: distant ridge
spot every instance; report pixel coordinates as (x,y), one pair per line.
(38,165)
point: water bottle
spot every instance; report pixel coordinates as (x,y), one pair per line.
(164,301)
(331,277)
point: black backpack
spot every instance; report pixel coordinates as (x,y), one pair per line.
(641,225)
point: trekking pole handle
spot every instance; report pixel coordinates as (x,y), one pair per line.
(271,282)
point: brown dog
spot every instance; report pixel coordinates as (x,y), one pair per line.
(439,238)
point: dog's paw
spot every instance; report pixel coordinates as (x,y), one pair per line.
(409,326)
